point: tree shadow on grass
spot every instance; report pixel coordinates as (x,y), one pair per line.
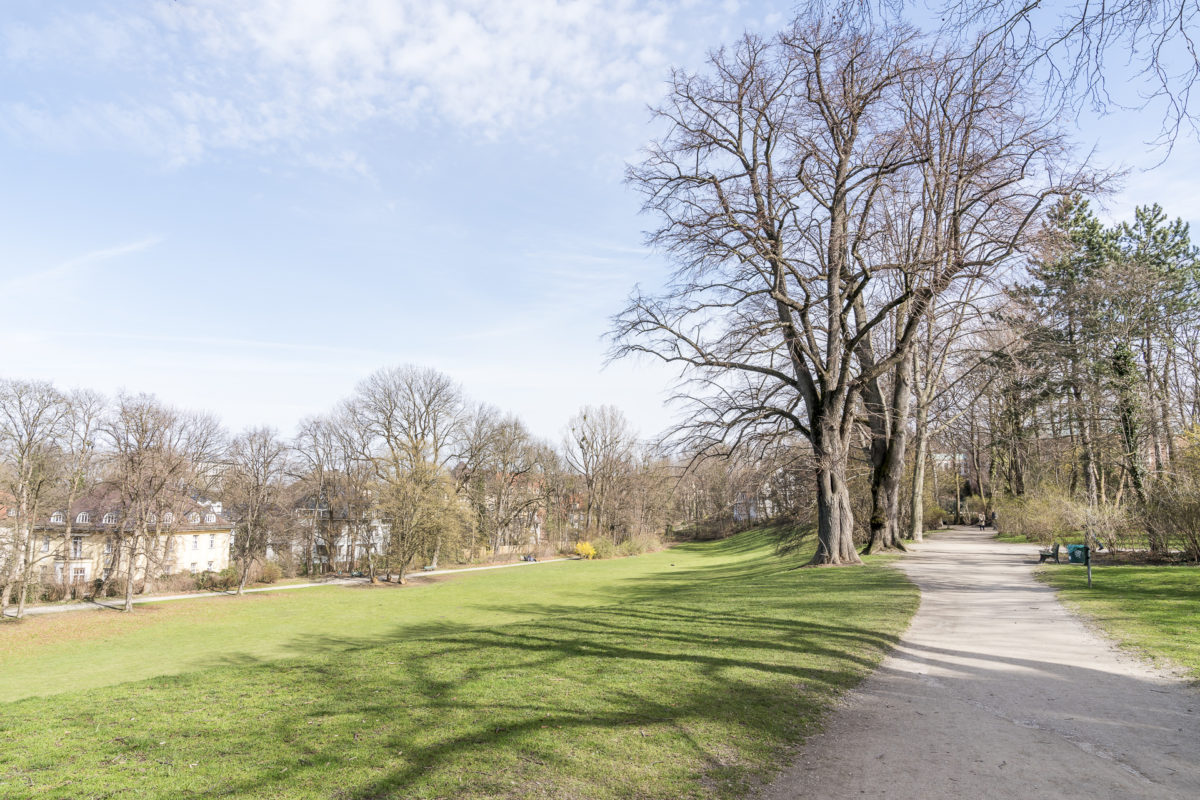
(642,697)
(688,683)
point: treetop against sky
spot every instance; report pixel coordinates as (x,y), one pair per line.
(247,206)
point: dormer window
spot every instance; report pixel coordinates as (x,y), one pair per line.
(110,518)
(210,519)
(58,518)
(83,519)
(168,518)
(12,512)
(193,517)
(152,518)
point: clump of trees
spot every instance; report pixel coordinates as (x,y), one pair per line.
(1092,384)
(822,193)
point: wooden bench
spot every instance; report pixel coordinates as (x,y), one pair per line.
(1046,555)
(428,569)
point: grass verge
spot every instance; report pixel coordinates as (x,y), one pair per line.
(682,674)
(1155,610)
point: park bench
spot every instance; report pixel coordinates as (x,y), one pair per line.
(428,568)
(1046,555)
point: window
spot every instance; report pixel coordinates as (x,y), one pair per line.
(193,517)
(58,518)
(84,518)
(78,574)
(12,512)
(195,567)
(210,566)
(45,544)
(210,518)
(110,518)
(212,541)
(76,547)
(168,518)
(108,547)
(195,542)
(152,518)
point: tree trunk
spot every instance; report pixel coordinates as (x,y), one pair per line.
(129,573)
(1088,465)
(835,516)
(916,529)
(245,575)
(888,456)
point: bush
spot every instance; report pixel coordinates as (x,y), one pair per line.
(934,516)
(1173,517)
(179,582)
(269,572)
(585,550)
(605,548)
(643,543)
(224,580)
(1039,517)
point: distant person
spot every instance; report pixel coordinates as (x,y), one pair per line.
(994,520)
(981,521)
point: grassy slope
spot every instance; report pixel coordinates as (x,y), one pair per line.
(1153,609)
(679,674)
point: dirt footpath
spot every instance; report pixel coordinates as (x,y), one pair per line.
(996,691)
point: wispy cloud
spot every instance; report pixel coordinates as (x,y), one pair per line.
(72,269)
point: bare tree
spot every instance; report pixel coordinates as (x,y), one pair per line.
(767,185)
(819,191)
(32,415)
(1075,52)
(500,474)
(410,421)
(154,455)
(253,489)
(599,448)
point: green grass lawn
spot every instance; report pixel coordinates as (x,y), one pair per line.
(681,674)
(1076,537)
(1153,609)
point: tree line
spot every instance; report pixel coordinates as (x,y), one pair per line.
(406,470)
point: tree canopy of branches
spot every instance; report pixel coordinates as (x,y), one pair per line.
(818,190)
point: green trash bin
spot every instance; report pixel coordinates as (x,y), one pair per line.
(1077,553)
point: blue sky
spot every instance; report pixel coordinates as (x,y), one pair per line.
(246,206)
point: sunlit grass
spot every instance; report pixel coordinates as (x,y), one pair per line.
(1153,609)
(680,674)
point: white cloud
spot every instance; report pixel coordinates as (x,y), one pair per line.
(282,74)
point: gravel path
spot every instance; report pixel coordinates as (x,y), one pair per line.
(117,604)
(996,691)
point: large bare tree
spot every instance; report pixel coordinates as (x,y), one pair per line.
(818,190)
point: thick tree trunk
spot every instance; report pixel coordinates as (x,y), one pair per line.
(835,520)
(835,516)
(889,434)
